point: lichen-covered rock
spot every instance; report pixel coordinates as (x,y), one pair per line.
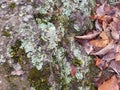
(46,30)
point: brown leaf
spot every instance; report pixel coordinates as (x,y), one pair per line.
(88,36)
(98,25)
(104,36)
(99,42)
(117,57)
(100,10)
(104,25)
(115,35)
(115,65)
(98,61)
(111,84)
(118,48)
(105,50)
(109,56)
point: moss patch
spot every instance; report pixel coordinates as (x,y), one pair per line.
(39,79)
(12,5)
(5,33)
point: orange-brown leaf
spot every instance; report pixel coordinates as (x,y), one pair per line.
(111,84)
(104,25)
(99,43)
(117,57)
(104,36)
(98,61)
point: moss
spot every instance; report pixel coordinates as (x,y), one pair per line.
(5,33)
(77,62)
(18,54)
(7,67)
(60,19)
(12,5)
(93,72)
(39,79)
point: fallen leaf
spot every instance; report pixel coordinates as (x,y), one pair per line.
(109,56)
(105,50)
(115,65)
(104,36)
(104,25)
(99,43)
(88,36)
(100,10)
(117,57)
(73,71)
(118,48)
(98,61)
(111,84)
(98,25)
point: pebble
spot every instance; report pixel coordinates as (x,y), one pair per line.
(27,17)
(4,5)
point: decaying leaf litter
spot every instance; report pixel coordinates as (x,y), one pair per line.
(104,44)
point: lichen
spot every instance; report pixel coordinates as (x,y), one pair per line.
(52,43)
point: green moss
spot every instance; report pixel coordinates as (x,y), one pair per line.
(39,79)
(12,5)
(18,54)
(60,19)
(5,33)
(77,62)
(7,67)
(93,72)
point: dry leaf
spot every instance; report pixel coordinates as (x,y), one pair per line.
(98,26)
(104,36)
(104,25)
(99,42)
(98,61)
(109,56)
(117,57)
(88,36)
(100,10)
(115,65)
(105,50)
(111,84)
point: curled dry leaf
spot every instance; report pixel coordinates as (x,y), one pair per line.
(100,10)
(115,65)
(105,50)
(98,26)
(88,36)
(111,84)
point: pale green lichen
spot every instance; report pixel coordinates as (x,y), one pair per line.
(49,34)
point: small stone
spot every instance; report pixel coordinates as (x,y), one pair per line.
(26,18)
(4,5)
